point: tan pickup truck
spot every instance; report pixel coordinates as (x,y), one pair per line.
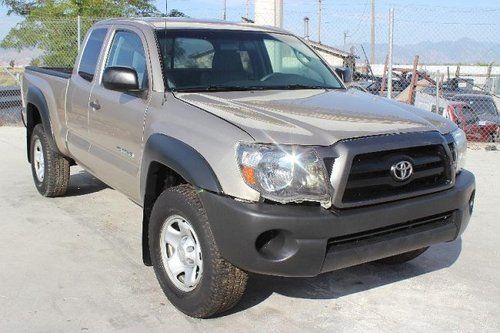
(247,154)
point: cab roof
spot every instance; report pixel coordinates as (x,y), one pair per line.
(158,23)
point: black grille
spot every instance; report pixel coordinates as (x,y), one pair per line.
(370,177)
(415,225)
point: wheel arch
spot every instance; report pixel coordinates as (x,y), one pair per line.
(169,162)
(37,112)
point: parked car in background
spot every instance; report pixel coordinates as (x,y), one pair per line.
(373,84)
(354,86)
(425,99)
(483,106)
(469,121)
(476,113)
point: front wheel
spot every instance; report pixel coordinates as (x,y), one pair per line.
(188,265)
(49,168)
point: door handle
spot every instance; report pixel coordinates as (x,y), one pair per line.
(95,105)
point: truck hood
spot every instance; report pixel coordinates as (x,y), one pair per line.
(314,117)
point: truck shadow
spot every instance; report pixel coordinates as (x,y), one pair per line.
(83,183)
(348,281)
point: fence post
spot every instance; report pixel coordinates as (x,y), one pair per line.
(413,82)
(319,21)
(437,91)
(372,34)
(383,84)
(389,63)
(79,31)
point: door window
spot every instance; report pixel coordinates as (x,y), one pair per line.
(127,51)
(91,54)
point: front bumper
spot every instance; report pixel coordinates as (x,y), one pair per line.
(302,240)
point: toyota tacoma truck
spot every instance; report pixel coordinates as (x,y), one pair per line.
(246,153)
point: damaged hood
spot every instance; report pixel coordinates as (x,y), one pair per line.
(314,117)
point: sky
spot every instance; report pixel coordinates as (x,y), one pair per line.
(415,21)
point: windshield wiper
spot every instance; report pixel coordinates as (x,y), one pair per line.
(305,86)
(212,88)
(247,88)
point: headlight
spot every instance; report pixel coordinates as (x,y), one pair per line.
(460,143)
(284,173)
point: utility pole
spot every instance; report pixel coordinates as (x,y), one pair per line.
(248,9)
(224,11)
(319,21)
(346,35)
(372,34)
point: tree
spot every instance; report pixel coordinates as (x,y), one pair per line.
(176,13)
(36,62)
(12,63)
(72,8)
(51,27)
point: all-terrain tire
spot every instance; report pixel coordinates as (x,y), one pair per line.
(55,179)
(402,258)
(221,285)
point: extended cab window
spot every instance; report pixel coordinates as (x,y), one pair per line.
(91,54)
(127,51)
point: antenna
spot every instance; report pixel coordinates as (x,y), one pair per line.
(166,15)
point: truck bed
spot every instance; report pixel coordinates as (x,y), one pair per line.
(51,84)
(63,72)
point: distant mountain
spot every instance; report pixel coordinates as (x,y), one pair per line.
(22,58)
(464,51)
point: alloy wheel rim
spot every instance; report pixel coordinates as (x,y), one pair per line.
(38,160)
(181,253)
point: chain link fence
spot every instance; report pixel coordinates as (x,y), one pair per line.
(444,60)
(35,42)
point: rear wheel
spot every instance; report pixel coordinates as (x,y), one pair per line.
(402,258)
(49,168)
(188,265)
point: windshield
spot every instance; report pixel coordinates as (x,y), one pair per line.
(221,60)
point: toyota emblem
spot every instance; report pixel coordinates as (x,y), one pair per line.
(401,171)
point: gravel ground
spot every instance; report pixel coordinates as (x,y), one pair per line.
(74,264)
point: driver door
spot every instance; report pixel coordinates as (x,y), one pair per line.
(116,119)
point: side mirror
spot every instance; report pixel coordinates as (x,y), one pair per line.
(345,74)
(122,79)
